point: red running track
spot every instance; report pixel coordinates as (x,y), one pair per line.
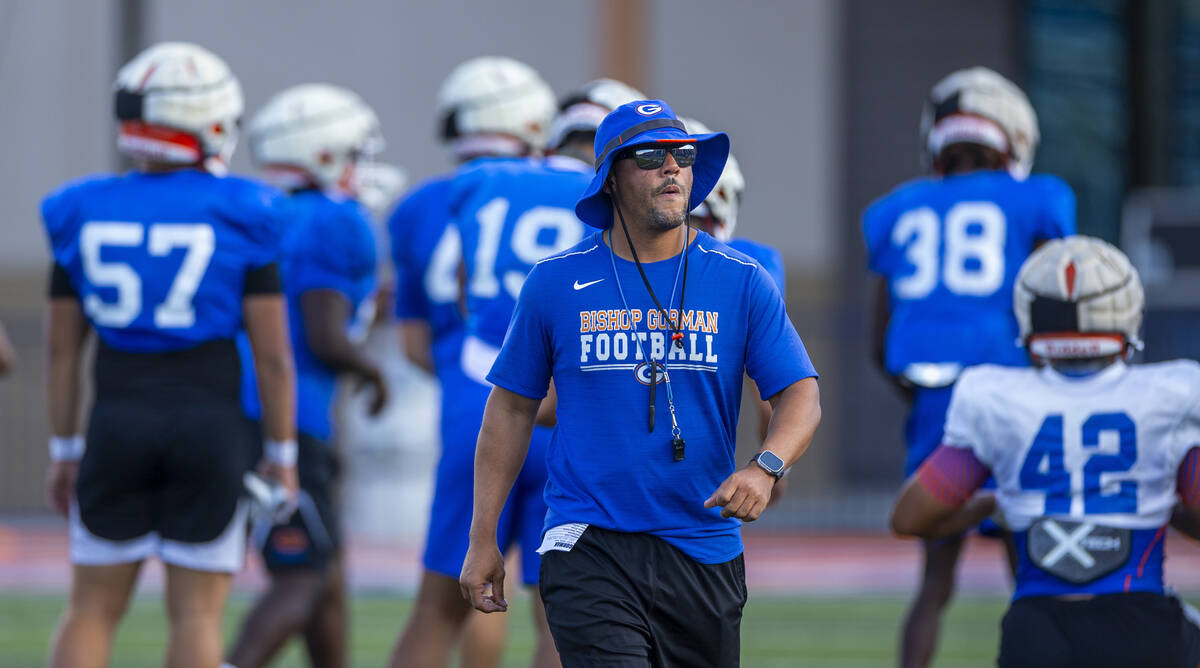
(33,558)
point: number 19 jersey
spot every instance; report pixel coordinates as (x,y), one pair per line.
(511,212)
(159,261)
(950,249)
(1097,456)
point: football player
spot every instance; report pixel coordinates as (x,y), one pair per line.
(308,140)
(573,132)
(718,217)
(947,249)
(1090,457)
(488,107)
(512,213)
(166,263)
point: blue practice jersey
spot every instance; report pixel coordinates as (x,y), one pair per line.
(427,253)
(950,250)
(327,245)
(605,467)
(768,256)
(511,213)
(159,261)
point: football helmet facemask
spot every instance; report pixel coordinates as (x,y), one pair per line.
(378,185)
(1078,298)
(959,106)
(726,197)
(178,103)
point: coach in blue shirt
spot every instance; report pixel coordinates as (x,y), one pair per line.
(646,328)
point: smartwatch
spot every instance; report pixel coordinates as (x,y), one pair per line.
(771,463)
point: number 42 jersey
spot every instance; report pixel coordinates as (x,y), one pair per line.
(1086,468)
(949,249)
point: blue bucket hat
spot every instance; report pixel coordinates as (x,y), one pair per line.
(648,122)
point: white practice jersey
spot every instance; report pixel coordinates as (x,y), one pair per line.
(1104,449)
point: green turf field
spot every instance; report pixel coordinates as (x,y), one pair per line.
(821,632)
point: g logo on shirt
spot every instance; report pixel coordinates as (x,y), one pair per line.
(648,109)
(642,373)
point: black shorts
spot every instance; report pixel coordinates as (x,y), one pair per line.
(1118,630)
(625,599)
(313,535)
(164,465)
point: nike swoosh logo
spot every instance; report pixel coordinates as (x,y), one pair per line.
(580,286)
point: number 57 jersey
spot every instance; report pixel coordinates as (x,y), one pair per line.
(160,261)
(1086,468)
(511,213)
(949,249)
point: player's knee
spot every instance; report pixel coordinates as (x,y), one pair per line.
(296,595)
(937,591)
(98,606)
(332,582)
(184,614)
(93,611)
(307,588)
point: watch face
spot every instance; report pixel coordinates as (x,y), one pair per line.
(770,461)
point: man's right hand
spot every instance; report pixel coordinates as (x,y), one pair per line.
(482,578)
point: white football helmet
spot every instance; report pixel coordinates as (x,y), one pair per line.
(723,202)
(950,116)
(1078,297)
(178,103)
(583,110)
(313,134)
(494,95)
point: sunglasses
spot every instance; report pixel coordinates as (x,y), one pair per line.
(653,155)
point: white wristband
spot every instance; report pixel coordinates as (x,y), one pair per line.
(66,448)
(283,453)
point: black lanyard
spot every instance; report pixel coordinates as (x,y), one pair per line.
(677,442)
(675,325)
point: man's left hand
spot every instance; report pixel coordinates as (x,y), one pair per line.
(744,494)
(60,485)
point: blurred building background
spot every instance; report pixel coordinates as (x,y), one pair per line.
(820,97)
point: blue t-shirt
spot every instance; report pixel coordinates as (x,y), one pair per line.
(512,212)
(327,245)
(768,256)
(950,250)
(159,261)
(605,467)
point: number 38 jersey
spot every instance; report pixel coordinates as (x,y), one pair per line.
(511,212)
(159,261)
(949,249)
(1085,468)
